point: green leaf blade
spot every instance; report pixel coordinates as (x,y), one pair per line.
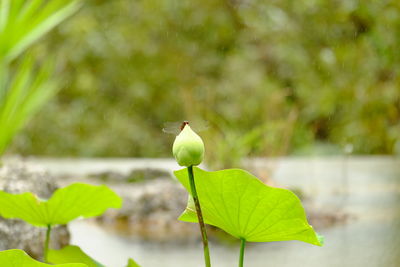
(24,206)
(240,204)
(19,258)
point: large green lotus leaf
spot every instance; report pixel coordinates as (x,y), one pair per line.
(66,204)
(71,254)
(240,204)
(18,258)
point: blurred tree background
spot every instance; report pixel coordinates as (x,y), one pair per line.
(271,77)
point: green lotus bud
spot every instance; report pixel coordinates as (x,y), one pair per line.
(188,148)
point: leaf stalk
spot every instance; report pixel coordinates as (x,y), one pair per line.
(242,246)
(199,217)
(46,243)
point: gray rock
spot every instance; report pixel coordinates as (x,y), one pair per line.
(133,176)
(18,177)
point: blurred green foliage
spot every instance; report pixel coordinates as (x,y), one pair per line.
(25,86)
(271,77)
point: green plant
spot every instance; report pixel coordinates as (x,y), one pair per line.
(188,150)
(232,200)
(241,205)
(23,89)
(244,207)
(66,204)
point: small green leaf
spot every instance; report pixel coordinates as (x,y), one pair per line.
(240,204)
(132,263)
(18,258)
(66,204)
(70,254)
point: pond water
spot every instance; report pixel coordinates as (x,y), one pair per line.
(367,188)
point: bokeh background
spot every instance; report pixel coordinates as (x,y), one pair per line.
(303,94)
(271,78)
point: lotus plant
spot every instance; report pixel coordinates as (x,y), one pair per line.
(188,150)
(237,202)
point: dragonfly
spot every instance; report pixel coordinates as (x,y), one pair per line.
(176,127)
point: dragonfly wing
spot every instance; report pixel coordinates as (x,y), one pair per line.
(200,125)
(175,127)
(172,128)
